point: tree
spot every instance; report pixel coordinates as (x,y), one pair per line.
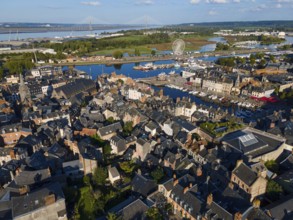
(127,166)
(157,174)
(110,120)
(136,52)
(154,214)
(127,128)
(107,149)
(112,216)
(274,190)
(87,180)
(1,73)
(272,166)
(117,54)
(100,175)
(97,140)
(263,63)
(153,52)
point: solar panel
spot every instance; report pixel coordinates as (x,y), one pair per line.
(248,140)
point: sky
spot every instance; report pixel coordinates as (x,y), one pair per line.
(158,12)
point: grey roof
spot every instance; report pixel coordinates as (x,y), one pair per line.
(192,204)
(184,124)
(135,211)
(114,172)
(282,209)
(31,177)
(35,200)
(78,86)
(151,125)
(110,129)
(244,173)
(5,210)
(253,142)
(217,212)
(138,181)
(255,214)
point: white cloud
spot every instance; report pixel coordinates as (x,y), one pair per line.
(259,7)
(236,1)
(144,2)
(278,5)
(94,3)
(212,12)
(285,1)
(217,1)
(194,2)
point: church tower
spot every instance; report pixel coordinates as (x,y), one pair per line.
(25,95)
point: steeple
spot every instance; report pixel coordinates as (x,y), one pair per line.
(237,82)
(25,95)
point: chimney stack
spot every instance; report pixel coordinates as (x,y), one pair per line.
(256,203)
(238,163)
(199,171)
(238,216)
(175,182)
(210,199)
(185,189)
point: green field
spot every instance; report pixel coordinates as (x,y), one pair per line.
(192,42)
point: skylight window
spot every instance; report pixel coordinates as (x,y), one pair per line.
(248,140)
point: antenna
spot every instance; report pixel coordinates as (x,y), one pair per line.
(36,60)
(90,27)
(9,35)
(146,22)
(17,35)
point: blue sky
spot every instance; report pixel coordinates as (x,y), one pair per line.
(140,11)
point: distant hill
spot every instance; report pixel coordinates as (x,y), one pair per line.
(243,24)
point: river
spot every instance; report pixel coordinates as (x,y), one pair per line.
(60,34)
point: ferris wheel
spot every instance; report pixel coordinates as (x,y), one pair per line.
(178,47)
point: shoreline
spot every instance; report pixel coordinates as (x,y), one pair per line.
(160,58)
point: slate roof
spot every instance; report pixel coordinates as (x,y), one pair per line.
(31,177)
(255,214)
(253,142)
(35,200)
(184,124)
(5,210)
(188,200)
(114,172)
(282,209)
(78,86)
(245,174)
(110,129)
(216,212)
(135,211)
(138,181)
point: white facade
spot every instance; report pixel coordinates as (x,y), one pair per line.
(36,72)
(134,94)
(46,89)
(167,128)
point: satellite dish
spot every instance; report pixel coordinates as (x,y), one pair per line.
(178,47)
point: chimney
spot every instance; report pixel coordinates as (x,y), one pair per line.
(210,199)
(50,199)
(174,176)
(199,171)
(231,185)
(238,163)
(256,203)
(175,182)
(272,125)
(238,216)
(190,185)
(185,189)
(12,154)
(178,100)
